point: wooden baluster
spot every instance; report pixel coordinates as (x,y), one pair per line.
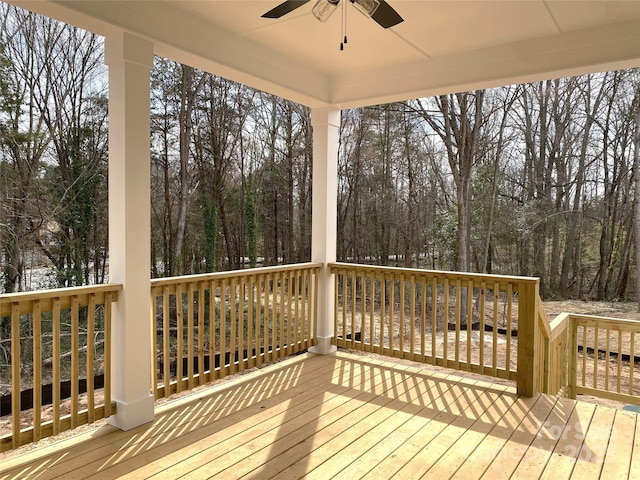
(91,325)
(268,327)
(312,302)
(294,312)
(313,306)
(596,343)
(261,340)
(224,371)
(469,321)
(75,373)
(392,304)
(153,340)
(423,318)
(607,357)
(233,318)
(305,301)
(434,320)
(284,314)
(402,282)
(456,350)
(283,339)
(483,302)
(180,339)
(214,372)
(106,353)
(445,323)
(201,333)
(15,374)
(528,318)
(631,361)
(274,316)
(291,342)
(336,307)
(619,350)
(166,339)
(412,316)
(297,283)
(308,307)
(37,370)
(241,296)
(584,356)
(344,303)
(190,336)
(383,311)
(250,320)
(372,307)
(572,340)
(354,299)
(301,298)
(267,315)
(496,307)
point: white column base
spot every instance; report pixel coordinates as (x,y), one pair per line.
(323,346)
(134,414)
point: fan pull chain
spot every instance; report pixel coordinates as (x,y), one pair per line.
(344,26)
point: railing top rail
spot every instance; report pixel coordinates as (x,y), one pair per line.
(232,274)
(480,277)
(558,325)
(543,320)
(612,323)
(9,298)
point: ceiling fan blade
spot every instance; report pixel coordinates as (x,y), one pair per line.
(284,8)
(386,16)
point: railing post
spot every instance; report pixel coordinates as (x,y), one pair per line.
(528,332)
(326,122)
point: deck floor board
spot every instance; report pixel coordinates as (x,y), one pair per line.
(351,416)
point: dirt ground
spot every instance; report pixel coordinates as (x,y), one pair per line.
(625,310)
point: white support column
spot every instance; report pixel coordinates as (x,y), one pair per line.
(130,60)
(326,123)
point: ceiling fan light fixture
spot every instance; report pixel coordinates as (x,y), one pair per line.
(323,9)
(366,7)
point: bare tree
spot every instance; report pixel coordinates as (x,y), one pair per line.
(75,114)
(191,83)
(458,121)
(23,141)
(593,96)
(636,162)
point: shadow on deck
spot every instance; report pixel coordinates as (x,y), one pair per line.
(357,417)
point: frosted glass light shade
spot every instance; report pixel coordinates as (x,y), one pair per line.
(323,9)
(366,7)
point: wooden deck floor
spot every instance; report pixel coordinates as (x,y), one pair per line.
(353,417)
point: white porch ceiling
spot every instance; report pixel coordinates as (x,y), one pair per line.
(441,47)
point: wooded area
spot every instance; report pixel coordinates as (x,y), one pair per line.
(534,179)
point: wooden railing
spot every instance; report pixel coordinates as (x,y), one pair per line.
(206,327)
(459,320)
(54,361)
(594,356)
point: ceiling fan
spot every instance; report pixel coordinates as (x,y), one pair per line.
(378,10)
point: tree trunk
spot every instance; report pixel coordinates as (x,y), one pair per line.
(636,162)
